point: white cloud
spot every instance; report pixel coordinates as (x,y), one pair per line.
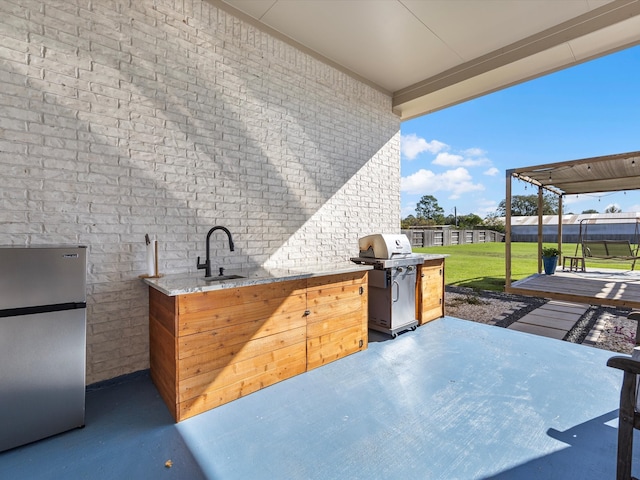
(425,182)
(407,210)
(576,199)
(411,146)
(419,182)
(486,207)
(633,208)
(492,172)
(445,159)
(474,152)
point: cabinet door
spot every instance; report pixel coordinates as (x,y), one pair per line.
(235,341)
(337,317)
(430,296)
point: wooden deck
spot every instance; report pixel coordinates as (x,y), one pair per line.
(620,288)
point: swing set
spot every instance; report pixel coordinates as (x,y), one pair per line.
(620,250)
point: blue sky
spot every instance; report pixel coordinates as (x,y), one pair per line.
(460,154)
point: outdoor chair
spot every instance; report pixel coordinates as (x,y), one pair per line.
(629,413)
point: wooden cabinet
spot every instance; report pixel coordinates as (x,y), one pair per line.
(337,321)
(430,291)
(209,348)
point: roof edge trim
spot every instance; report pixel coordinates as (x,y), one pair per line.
(596,19)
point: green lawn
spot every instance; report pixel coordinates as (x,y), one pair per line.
(482,266)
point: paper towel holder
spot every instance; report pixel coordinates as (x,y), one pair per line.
(155,269)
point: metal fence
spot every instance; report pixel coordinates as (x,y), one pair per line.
(444,237)
(571,233)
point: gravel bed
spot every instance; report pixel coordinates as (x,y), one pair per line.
(491,308)
(607,328)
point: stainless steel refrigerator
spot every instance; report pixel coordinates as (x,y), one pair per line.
(42,342)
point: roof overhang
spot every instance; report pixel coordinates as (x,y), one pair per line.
(431,55)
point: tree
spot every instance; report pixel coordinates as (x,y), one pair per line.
(409,221)
(428,208)
(591,210)
(412,221)
(613,208)
(522,205)
(469,221)
(494,222)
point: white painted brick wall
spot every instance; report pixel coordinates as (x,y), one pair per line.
(122,118)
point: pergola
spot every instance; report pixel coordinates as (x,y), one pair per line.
(611,173)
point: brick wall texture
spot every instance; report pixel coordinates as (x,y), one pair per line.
(120,118)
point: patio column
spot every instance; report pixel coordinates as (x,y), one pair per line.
(507,232)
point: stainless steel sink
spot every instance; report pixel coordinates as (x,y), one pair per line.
(220,278)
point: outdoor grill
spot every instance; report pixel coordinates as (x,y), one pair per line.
(392,282)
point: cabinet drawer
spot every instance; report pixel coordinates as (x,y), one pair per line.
(256,312)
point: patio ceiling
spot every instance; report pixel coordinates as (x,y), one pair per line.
(611,173)
(433,54)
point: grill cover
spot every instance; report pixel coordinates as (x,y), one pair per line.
(384,245)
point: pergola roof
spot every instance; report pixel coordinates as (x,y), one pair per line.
(611,173)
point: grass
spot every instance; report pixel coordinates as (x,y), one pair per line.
(481,266)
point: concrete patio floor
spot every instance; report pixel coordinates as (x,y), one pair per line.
(453,400)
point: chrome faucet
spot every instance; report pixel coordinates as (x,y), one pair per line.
(207,264)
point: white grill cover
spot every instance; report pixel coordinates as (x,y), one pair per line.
(384,245)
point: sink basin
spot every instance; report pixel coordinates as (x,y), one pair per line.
(220,278)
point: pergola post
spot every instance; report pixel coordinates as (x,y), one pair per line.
(560,197)
(540,208)
(507,232)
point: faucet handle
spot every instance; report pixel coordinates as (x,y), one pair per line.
(200,265)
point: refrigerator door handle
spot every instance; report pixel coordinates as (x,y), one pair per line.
(16,312)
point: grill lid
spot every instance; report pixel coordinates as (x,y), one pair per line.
(384,246)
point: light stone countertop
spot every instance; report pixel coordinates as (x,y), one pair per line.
(179,284)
